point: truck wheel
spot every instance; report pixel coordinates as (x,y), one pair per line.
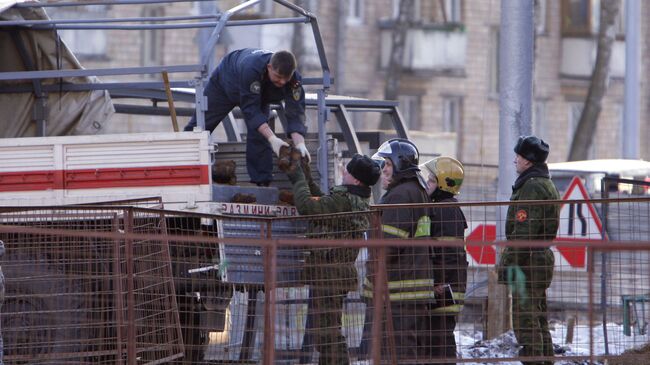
(45,313)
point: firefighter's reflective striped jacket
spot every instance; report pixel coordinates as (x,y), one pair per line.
(449,263)
(408,268)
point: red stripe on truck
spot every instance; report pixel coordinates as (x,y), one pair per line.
(30,180)
(105,178)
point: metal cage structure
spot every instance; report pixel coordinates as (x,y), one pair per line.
(155,91)
(114,284)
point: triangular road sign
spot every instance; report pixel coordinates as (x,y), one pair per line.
(579,222)
(482,254)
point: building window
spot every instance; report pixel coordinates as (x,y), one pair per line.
(417,9)
(355,12)
(493,73)
(581,18)
(451,113)
(539,119)
(540,16)
(409,105)
(152,39)
(453,11)
(577,17)
(86,44)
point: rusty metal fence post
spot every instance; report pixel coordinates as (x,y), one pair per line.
(379,291)
(117,294)
(130,302)
(270,270)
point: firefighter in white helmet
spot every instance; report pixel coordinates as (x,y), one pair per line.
(444,176)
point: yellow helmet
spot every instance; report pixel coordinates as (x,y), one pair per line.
(448,171)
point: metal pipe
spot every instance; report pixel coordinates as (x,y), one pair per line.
(301,243)
(214,37)
(55,74)
(294,7)
(631,130)
(5,23)
(604,191)
(322,141)
(206,55)
(97,2)
(515,90)
(232,23)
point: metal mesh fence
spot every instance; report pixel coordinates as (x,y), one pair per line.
(74,297)
(132,285)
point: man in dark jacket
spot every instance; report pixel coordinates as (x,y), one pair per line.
(529,270)
(330,272)
(444,177)
(252,79)
(410,284)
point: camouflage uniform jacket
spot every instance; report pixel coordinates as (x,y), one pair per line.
(530,221)
(323,265)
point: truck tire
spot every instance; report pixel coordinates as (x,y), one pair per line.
(45,313)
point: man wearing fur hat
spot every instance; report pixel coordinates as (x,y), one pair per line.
(330,272)
(528,271)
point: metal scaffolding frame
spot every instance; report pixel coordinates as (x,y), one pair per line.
(151,90)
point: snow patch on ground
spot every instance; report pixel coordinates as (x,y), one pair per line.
(470,344)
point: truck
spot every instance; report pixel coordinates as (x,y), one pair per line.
(170,170)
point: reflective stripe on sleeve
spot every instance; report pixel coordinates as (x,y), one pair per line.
(424,227)
(456,308)
(394,231)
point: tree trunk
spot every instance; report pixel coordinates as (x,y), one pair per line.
(394,69)
(584,132)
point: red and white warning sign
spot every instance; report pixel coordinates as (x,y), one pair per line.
(579,222)
(481,253)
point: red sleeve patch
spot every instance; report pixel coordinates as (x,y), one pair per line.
(521,215)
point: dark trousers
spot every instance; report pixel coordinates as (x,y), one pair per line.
(259,156)
(325,311)
(411,333)
(530,325)
(443,342)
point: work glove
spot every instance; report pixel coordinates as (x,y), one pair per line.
(276,143)
(303,151)
(288,159)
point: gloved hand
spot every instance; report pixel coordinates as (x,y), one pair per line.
(289,159)
(276,143)
(303,151)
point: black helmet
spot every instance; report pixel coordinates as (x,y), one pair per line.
(532,149)
(401,152)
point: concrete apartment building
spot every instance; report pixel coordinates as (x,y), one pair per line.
(449,90)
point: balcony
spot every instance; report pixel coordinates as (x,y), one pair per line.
(579,57)
(429,48)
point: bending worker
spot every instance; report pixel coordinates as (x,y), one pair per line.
(330,271)
(528,271)
(444,177)
(252,79)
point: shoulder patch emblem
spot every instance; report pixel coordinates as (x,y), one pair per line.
(296,93)
(521,215)
(256,87)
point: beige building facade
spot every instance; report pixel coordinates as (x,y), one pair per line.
(449,92)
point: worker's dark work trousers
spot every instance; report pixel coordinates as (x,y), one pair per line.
(259,156)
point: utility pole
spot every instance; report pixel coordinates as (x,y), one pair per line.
(631,133)
(516,37)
